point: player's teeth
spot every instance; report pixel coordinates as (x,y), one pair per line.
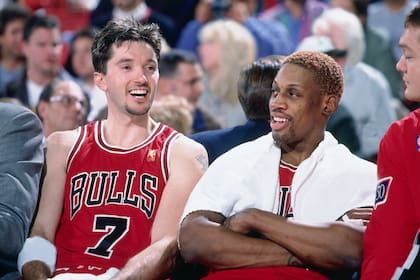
(277,119)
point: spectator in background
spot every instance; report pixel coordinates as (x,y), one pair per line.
(21,162)
(271,38)
(181,74)
(42,48)
(62,106)
(297,16)
(388,15)
(79,64)
(254,91)
(174,111)
(378,51)
(137,9)
(341,124)
(12,21)
(72,14)
(225,47)
(367,94)
(181,11)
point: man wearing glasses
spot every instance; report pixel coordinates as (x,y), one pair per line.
(62,106)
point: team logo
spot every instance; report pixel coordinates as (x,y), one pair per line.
(151,156)
(382,190)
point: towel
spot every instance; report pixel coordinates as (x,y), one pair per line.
(325,186)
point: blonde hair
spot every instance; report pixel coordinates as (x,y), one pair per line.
(238,48)
(174,111)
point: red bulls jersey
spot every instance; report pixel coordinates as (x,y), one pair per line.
(111,196)
(286,173)
(391,241)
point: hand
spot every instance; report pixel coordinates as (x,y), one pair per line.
(359,216)
(240,222)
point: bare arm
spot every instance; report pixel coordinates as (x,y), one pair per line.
(187,164)
(203,239)
(329,246)
(51,202)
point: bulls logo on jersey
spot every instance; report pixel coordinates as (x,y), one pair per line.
(382,190)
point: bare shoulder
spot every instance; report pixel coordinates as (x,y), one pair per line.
(185,143)
(62,141)
(186,148)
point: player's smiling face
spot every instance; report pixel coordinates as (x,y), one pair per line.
(131,78)
(296,107)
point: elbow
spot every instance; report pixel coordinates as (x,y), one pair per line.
(196,240)
(349,253)
(188,242)
(186,245)
(353,259)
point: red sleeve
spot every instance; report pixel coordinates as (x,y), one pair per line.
(392,229)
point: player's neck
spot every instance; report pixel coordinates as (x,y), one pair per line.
(126,134)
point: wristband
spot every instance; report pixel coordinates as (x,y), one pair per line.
(40,249)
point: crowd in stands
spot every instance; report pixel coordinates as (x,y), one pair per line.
(211,76)
(224,35)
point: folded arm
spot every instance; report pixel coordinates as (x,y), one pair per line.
(203,239)
(330,246)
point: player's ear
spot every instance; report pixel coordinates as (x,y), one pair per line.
(99,80)
(330,104)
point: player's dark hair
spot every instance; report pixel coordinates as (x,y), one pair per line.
(413,17)
(116,32)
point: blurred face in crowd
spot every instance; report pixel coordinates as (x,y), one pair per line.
(11,39)
(126,5)
(82,57)
(409,62)
(43,51)
(188,83)
(66,108)
(344,4)
(209,54)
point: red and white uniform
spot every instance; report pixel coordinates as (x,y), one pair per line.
(391,249)
(321,189)
(286,174)
(111,196)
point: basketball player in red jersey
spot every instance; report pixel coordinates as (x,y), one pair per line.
(287,205)
(114,190)
(391,242)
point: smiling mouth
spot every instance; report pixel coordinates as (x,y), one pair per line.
(278,119)
(138,93)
